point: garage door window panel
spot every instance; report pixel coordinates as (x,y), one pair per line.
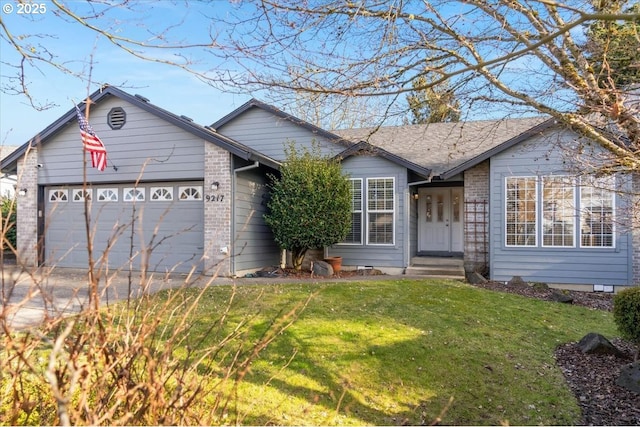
(59,195)
(133,194)
(107,194)
(190,193)
(79,194)
(159,194)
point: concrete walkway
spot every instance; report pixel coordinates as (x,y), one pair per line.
(30,298)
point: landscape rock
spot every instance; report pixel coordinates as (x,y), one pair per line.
(322,268)
(630,377)
(594,343)
(370,272)
(476,278)
(561,297)
(517,281)
(539,286)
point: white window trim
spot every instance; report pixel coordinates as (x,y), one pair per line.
(578,186)
(126,191)
(101,191)
(184,187)
(537,212)
(612,185)
(369,211)
(541,214)
(61,190)
(87,192)
(153,190)
(362,216)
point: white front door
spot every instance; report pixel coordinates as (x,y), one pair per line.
(440,226)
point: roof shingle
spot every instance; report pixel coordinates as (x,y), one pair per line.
(442,146)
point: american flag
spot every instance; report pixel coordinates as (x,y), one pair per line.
(91,142)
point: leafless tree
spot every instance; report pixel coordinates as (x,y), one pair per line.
(505,56)
(510,56)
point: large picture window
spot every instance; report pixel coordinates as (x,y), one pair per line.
(355,234)
(545,212)
(597,212)
(521,211)
(380,211)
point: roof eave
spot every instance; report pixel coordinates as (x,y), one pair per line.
(536,130)
(254,103)
(381,152)
(9,164)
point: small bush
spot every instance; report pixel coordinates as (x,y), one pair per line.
(8,224)
(626,313)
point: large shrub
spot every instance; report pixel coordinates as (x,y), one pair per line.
(8,223)
(310,203)
(626,314)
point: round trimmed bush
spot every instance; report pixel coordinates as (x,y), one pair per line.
(626,313)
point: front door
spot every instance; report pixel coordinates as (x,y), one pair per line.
(440,226)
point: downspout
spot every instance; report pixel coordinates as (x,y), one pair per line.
(255,165)
(248,167)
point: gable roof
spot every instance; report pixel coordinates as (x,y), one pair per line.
(366,148)
(449,148)
(10,162)
(254,103)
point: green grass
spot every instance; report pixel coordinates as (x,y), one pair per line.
(395,352)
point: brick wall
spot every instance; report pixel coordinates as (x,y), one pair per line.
(217,212)
(27,209)
(476,225)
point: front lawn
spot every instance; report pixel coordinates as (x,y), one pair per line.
(405,352)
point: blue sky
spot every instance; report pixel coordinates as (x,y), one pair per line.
(168,87)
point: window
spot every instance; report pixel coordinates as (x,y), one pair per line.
(161,193)
(355,234)
(380,211)
(107,194)
(521,212)
(79,195)
(555,200)
(597,212)
(190,193)
(133,194)
(58,195)
(558,211)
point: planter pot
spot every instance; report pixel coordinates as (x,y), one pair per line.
(336,263)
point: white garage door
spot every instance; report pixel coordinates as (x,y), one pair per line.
(157,224)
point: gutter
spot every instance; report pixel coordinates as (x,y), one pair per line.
(255,165)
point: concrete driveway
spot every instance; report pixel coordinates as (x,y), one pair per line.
(31,297)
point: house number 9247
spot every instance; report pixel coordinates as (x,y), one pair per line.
(214,197)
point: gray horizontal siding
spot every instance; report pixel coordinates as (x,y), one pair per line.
(253,244)
(542,156)
(366,166)
(269,134)
(146,147)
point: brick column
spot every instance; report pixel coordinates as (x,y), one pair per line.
(27,208)
(476,217)
(217,213)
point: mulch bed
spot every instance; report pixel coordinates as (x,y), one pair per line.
(591,377)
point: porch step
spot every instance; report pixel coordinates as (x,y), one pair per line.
(437,267)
